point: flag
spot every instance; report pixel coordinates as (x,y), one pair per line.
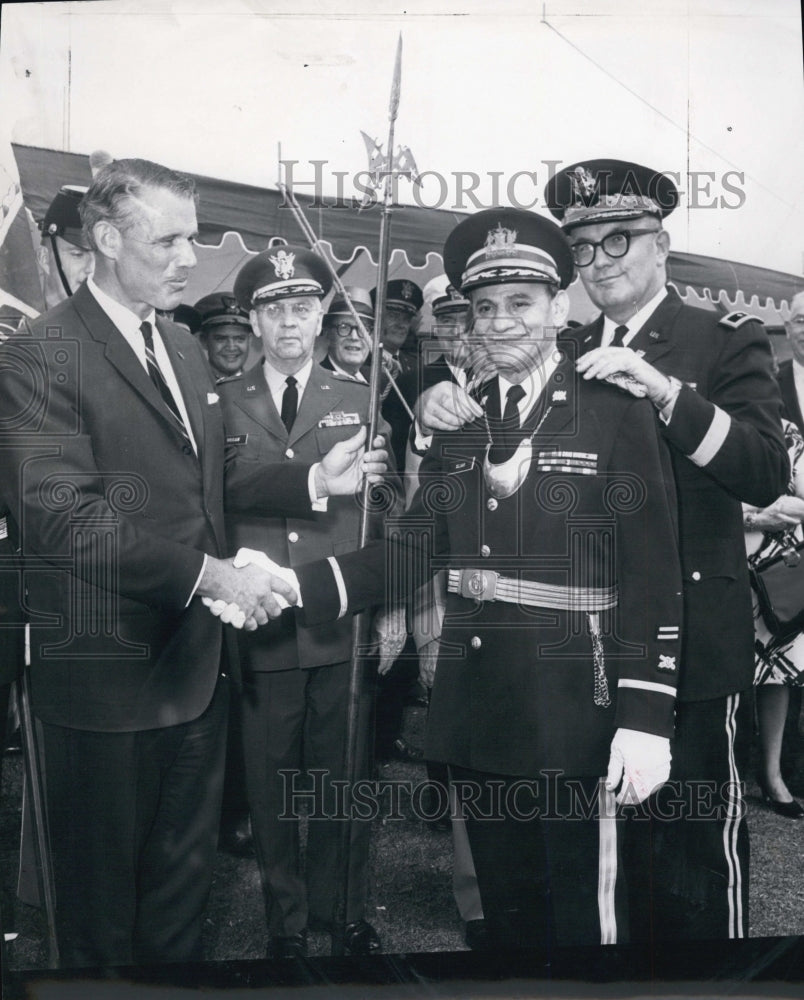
(20,287)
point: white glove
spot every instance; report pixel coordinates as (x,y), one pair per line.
(230,614)
(389,634)
(641,761)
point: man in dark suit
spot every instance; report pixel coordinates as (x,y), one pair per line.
(113,445)
(551,510)
(718,407)
(791,373)
(291,410)
(347,348)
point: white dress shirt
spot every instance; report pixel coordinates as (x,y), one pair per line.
(635,324)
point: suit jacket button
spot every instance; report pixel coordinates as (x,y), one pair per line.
(696,576)
(485,551)
(475,642)
(290,453)
(187,449)
(293,536)
(491,503)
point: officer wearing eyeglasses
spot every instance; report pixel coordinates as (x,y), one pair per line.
(709,379)
(348,348)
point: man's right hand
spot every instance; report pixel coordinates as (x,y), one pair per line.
(242,597)
(445,407)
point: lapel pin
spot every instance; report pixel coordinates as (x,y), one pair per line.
(653,335)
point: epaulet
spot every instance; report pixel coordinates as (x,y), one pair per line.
(224,379)
(734,320)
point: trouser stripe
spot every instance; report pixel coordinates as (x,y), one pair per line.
(732,826)
(607,864)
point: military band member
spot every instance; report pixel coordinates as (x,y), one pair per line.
(718,407)
(556,677)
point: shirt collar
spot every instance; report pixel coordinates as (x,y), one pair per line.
(276,380)
(637,321)
(123,318)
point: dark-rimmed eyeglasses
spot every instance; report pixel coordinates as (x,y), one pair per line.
(613,244)
(345,329)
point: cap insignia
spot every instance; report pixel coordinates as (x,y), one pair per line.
(230,304)
(283,264)
(407,290)
(582,181)
(500,240)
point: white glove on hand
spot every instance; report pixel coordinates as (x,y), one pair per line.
(389,634)
(641,761)
(230,614)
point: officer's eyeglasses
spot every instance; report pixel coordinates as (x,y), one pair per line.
(345,329)
(275,310)
(614,245)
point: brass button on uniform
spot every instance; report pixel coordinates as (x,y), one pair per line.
(485,551)
(290,453)
(475,642)
(491,503)
(696,575)
(293,536)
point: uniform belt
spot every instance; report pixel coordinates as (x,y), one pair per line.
(486,585)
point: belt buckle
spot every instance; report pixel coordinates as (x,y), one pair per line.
(479,585)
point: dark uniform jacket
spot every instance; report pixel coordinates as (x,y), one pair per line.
(787,386)
(331,409)
(514,690)
(727,447)
(114,514)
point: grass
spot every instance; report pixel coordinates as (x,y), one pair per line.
(410,902)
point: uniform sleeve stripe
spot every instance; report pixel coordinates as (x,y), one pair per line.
(339,583)
(713,439)
(647,686)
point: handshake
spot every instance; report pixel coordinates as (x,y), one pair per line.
(254,589)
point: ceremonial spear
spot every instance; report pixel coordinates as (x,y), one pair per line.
(361,622)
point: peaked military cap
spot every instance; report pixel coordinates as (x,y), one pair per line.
(401,294)
(221,307)
(63,219)
(449,302)
(279,273)
(499,245)
(361,300)
(597,191)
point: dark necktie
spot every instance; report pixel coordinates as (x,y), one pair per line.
(158,380)
(290,403)
(506,434)
(620,333)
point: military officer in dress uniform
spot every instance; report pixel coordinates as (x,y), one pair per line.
(711,384)
(296,679)
(225,333)
(553,513)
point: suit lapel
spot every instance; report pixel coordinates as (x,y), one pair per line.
(652,340)
(321,395)
(255,400)
(118,352)
(187,386)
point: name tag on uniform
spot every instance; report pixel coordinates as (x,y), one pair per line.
(337,418)
(583,463)
(237,438)
(459,465)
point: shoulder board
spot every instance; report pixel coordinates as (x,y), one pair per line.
(734,320)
